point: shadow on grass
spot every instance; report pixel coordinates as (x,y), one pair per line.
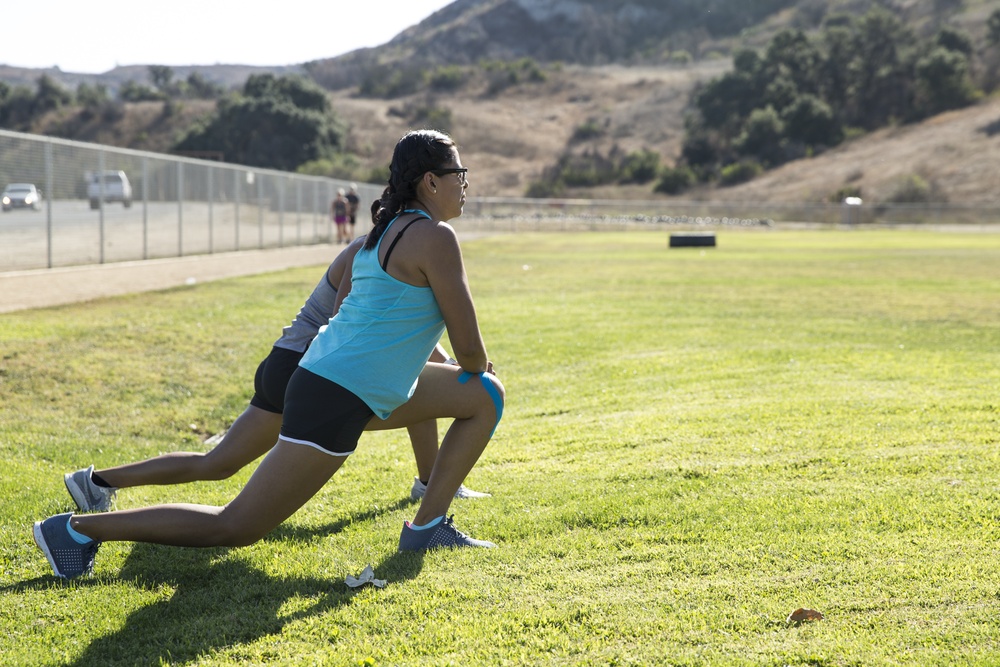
(216,600)
(213,606)
(287,531)
(216,605)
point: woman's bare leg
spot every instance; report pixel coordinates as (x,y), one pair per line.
(285,480)
(440,394)
(252,434)
(424,439)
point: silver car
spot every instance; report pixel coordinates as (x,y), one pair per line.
(21,195)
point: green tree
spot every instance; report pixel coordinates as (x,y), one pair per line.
(810,121)
(726,101)
(161,76)
(836,70)
(881,75)
(675,180)
(279,123)
(993,28)
(17,107)
(91,96)
(298,90)
(131,91)
(201,88)
(763,137)
(954,39)
(50,95)
(701,149)
(943,81)
(791,56)
(639,167)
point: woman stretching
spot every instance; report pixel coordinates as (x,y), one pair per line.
(367,369)
(256,430)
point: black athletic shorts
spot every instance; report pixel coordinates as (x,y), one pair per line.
(322,414)
(271,379)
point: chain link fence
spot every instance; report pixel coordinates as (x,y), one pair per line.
(179,206)
(102,204)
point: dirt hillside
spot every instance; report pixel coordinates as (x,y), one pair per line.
(956,153)
(507,141)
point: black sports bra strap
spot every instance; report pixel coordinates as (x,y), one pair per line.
(385,261)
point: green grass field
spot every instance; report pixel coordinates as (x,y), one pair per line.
(696,442)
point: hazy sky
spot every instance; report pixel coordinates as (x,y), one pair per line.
(94,37)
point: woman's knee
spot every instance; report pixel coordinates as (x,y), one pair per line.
(236,531)
(216,467)
(497,386)
(492,395)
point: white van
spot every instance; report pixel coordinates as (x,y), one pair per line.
(116,188)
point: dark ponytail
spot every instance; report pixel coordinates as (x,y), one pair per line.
(415,154)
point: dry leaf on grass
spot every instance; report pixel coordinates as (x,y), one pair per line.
(801,615)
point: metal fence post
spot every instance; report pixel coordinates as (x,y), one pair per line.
(211,222)
(298,211)
(282,182)
(260,214)
(100,193)
(236,204)
(49,192)
(145,207)
(180,209)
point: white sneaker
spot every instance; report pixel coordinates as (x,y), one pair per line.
(419,489)
(89,497)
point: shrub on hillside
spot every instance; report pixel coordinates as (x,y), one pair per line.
(740,172)
(447,78)
(675,180)
(639,167)
(545,189)
(502,74)
(915,189)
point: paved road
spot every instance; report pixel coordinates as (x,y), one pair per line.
(37,288)
(79,235)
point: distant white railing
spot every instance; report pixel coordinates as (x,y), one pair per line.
(519,214)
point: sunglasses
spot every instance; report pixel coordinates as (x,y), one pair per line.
(460,171)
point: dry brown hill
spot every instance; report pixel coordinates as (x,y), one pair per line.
(957,153)
(509,138)
(507,141)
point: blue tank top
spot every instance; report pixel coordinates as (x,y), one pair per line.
(380,339)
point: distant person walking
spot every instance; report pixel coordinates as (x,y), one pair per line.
(338,210)
(352,209)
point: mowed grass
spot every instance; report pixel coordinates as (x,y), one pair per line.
(695,444)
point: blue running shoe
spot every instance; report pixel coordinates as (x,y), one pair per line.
(89,497)
(445,534)
(67,557)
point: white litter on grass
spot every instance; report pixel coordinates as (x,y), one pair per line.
(190,281)
(367,576)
